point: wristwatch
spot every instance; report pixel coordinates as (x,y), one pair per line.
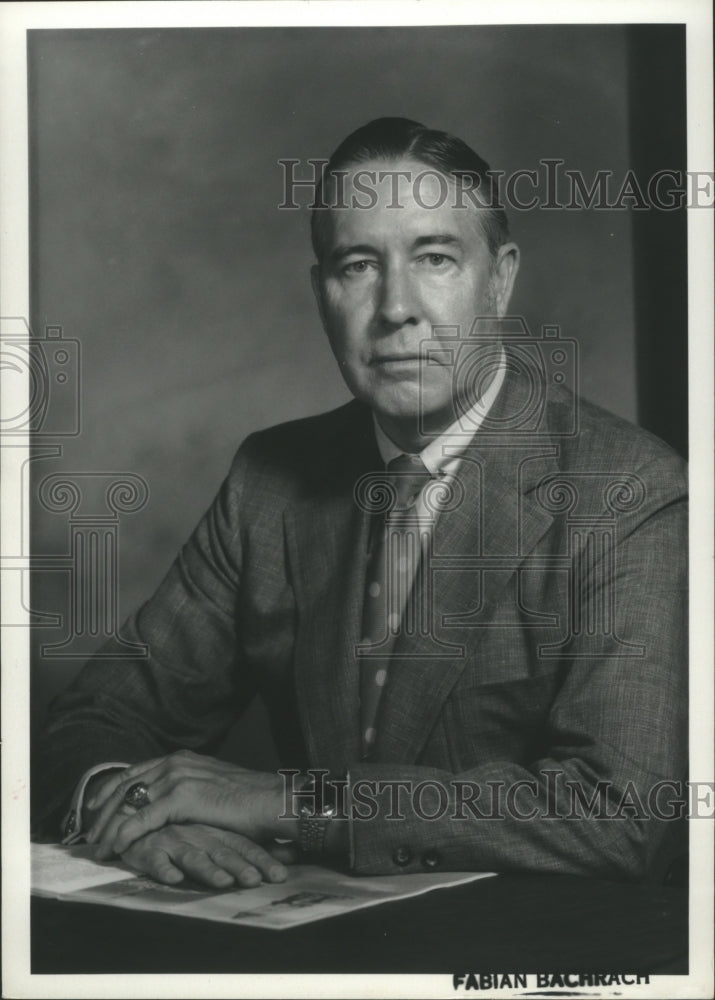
(317,808)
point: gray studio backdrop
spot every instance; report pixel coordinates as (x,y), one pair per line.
(157,243)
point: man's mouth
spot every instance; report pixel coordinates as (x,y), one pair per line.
(401,358)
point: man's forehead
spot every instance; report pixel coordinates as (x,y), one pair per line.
(392,182)
(403,198)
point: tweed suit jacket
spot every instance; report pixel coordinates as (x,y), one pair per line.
(556,651)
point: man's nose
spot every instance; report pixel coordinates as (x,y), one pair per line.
(399,300)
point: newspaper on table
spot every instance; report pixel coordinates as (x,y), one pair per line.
(309,893)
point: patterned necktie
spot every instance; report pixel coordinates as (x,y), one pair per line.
(391,570)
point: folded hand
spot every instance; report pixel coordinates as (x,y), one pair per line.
(188,788)
(212,857)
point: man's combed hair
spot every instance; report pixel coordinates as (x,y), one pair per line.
(402,138)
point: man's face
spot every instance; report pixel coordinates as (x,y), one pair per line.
(389,275)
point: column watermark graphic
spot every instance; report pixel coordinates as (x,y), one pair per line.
(92,559)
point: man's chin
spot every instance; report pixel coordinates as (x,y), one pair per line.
(412,419)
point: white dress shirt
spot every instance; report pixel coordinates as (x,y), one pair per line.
(442,455)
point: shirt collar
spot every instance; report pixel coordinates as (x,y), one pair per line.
(441,455)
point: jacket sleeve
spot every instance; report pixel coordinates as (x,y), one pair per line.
(185,693)
(595,803)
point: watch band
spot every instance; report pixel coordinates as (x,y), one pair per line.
(315,813)
(312,831)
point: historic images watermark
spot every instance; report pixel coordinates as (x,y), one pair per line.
(549,186)
(547,794)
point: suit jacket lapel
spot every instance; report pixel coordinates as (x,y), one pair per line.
(327,539)
(498,517)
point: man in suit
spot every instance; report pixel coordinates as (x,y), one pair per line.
(483,649)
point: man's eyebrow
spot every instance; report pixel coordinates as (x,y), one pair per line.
(433,239)
(345,250)
(437,239)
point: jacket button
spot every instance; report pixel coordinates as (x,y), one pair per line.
(402,856)
(431,859)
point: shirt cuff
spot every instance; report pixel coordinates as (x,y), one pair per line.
(72,823)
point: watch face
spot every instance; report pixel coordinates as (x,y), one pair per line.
(319,798)
(324,812)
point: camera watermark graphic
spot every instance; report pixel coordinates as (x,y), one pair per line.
(51,367)
(542,365)
(41,383)
(462,554)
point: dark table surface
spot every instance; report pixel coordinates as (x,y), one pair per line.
(502,924)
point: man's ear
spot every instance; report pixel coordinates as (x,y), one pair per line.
(318,293)
(505,271)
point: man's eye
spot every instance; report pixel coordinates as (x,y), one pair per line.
(357,267)
(436,259)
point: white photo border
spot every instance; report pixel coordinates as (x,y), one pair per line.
(16,19)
